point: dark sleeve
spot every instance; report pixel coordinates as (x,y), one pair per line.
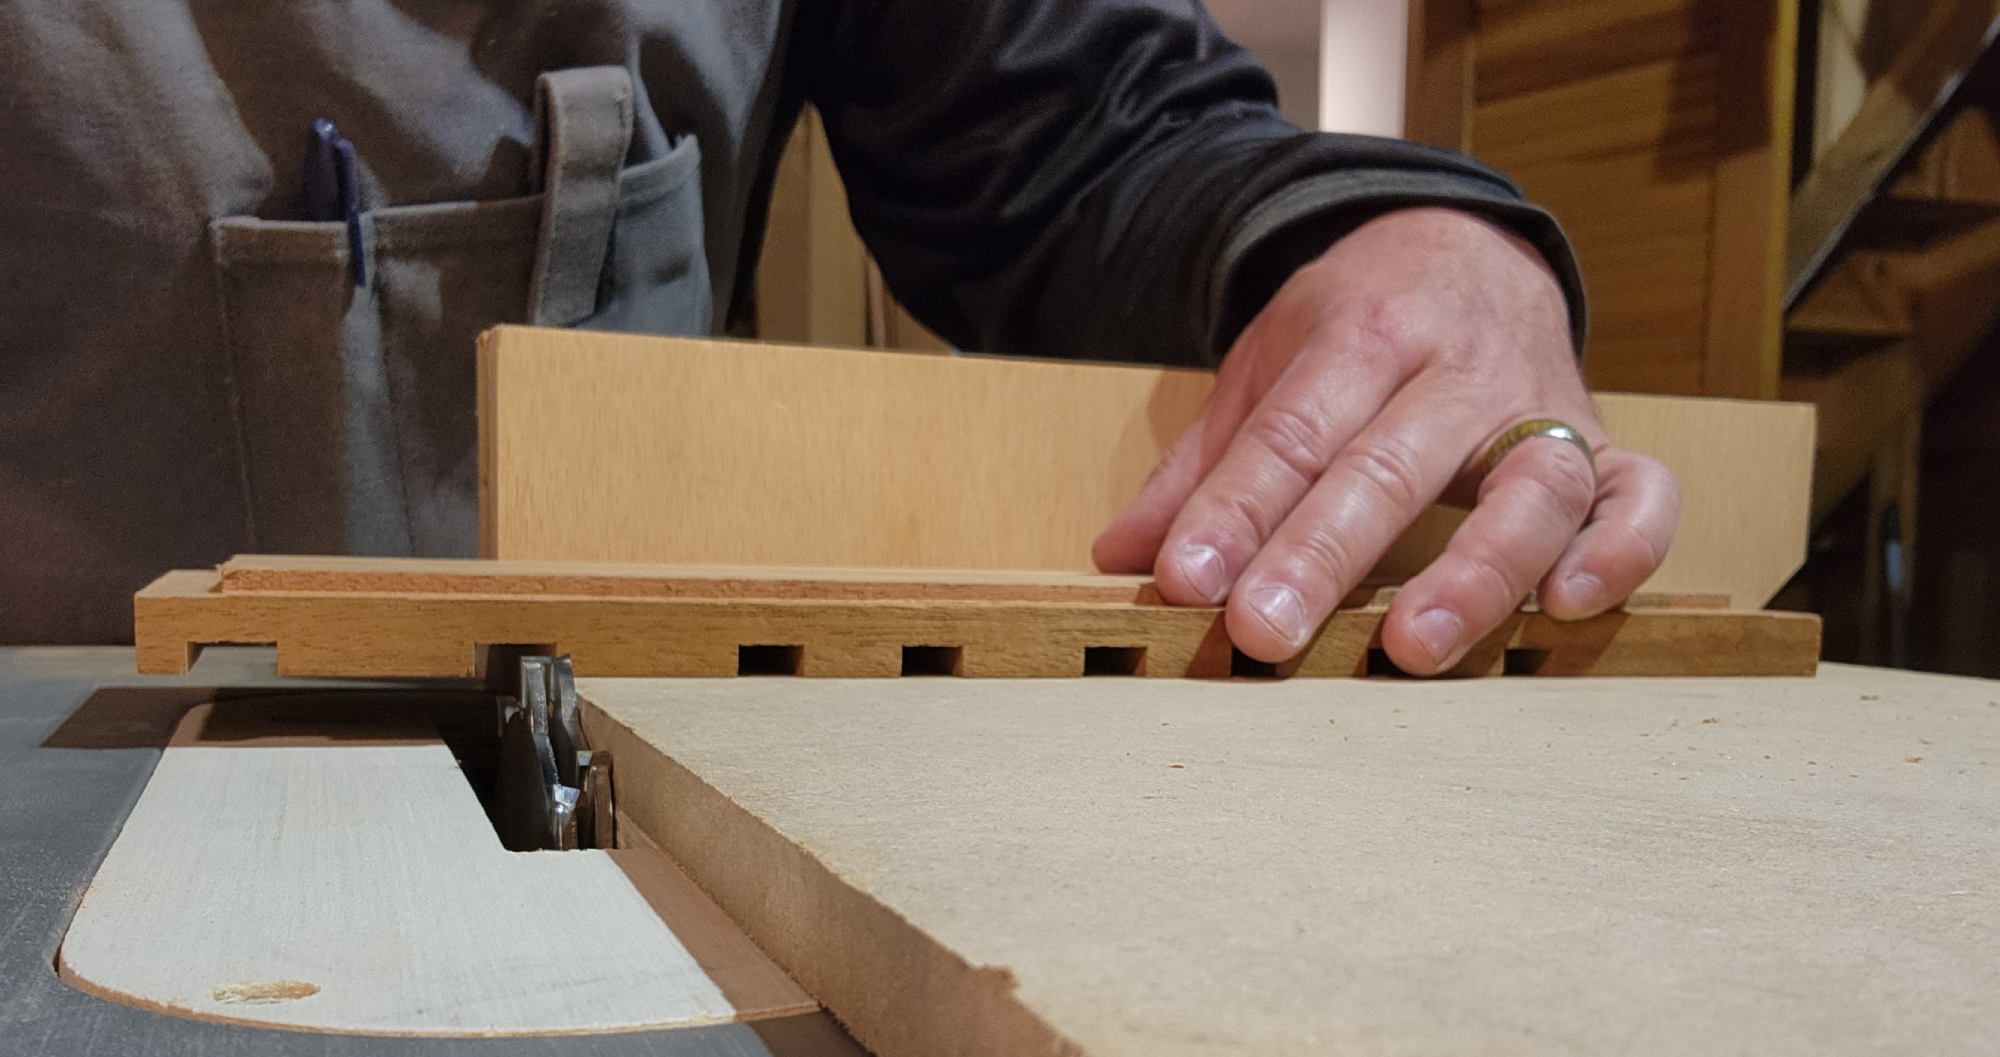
(1099,178)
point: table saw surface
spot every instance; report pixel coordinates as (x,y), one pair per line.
(1118,866)
(80,737)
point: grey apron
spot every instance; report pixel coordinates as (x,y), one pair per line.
(353,403)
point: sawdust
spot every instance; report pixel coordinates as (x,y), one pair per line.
(262,992)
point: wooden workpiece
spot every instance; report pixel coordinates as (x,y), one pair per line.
(264,573)
(1657,868)
(389,617)
(630,448)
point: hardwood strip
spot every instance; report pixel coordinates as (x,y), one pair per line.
(745,975)
(249,574)
(615,447)
(410,634)
(258,573)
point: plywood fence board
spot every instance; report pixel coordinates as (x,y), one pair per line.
(619,448)
(365,625)
(1745,470)
(615,448)
(1662,868)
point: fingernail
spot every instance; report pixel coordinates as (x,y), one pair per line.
(1201,567)
(1438,631)
(1583,590)
(1281,609)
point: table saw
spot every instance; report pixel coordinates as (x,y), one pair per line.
(666,775)
(1130,866)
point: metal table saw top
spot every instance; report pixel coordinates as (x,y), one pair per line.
(1911,931)
(67,787)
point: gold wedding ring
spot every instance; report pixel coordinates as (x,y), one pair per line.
(1538,427)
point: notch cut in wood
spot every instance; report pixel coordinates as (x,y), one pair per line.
(362,617)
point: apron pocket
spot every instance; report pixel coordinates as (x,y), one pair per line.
(655,278)
(354,405)
(447,273)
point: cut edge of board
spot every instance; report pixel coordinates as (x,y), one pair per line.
(855,955)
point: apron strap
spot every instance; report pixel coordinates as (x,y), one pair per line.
(583,122)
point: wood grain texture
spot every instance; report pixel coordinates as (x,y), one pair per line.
(1632,111)
(816,283)
(1528,47)
(1743,351)
(348,881)
(1670,114)
(443,633)
(1660,868)
(608,447)
(1439,82)
(603,447)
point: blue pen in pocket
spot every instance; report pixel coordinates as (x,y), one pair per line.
(331,191)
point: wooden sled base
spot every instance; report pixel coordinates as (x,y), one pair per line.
(428,618)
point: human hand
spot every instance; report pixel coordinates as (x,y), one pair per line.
(1371,386)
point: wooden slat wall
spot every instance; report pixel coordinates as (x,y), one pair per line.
(1658,131)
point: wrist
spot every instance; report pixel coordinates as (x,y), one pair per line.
(1295,229)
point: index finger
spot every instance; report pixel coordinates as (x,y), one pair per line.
(1262,357)
(1286,442)
(1372,490)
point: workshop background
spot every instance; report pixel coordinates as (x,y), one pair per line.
(1780,199)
